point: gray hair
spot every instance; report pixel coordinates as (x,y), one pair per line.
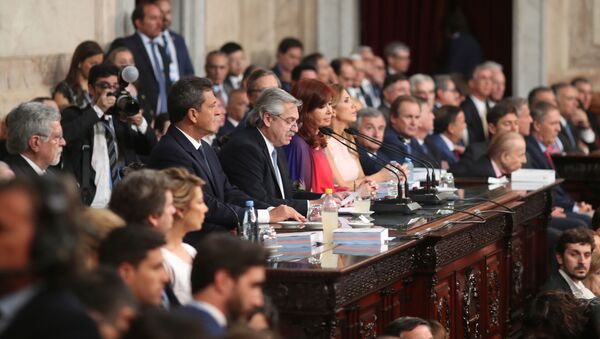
(441,81)
(270,100)
(488,65)
(367,112)
(418,79)
(363,48)
(26,120)
(516,102)
(394,48)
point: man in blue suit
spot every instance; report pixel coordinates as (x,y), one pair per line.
(405,116)
(227,279)
(448,128)
(181,63)
(371,122)
(193,113)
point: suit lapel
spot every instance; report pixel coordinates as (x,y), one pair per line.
(263,146)
(140,43)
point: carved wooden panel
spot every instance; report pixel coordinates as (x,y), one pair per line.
(495,300)
(442,302)
(469,292)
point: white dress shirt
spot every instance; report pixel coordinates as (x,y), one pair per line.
(101,162)
(577,287)
(174,66)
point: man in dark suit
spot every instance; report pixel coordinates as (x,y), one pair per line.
(506,154)
(574,255)
(476,105)
(448,128)
(35,139)
(397,58)
(151,59)
(227,279)
(39,248)
(371,122)
(236,110)
(289,53)
(253,160)
(217,68)
(405,114)
(101,140)
(423,146)
(175,47)
(394,85)
(575,133)
(237,64)
(584,87)
(193,113)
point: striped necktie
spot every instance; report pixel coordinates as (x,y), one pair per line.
(111,147)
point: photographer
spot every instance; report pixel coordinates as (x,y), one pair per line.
(101,138)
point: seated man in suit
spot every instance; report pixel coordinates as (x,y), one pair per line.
(584,89)
(574,255)
(423,147)
(477,105)
(259,80)
(135,253)
(405,115)
(506,153)
(370,122)
(397,57)
(227,278)
(540,147)
(289,53)
(236,110)
(576,135)
(100,140)
(193,114)
(39,249)
(394,85)
(217,68)
(448,128)
(236,60)
(422,87)
(35,139)
(523,114)
(409,327)
(498,83)
(445,92)
(501,118)
(253,160)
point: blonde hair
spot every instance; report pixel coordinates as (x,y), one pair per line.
(589,279)
(182,185)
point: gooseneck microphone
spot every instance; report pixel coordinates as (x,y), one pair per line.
(238,227)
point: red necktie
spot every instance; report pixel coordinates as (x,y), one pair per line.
(548,153)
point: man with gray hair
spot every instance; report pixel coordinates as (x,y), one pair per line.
(371,122)
(397,57)
(422,87)
(252,159)
(477,104)
(445,91)
(498,82)
(35,139)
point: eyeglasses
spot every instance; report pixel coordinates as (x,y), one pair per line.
(106,85)
(290,122)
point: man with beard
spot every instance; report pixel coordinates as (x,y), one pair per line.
(227,278)
(574,255)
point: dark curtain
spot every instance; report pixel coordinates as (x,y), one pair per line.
(420,24)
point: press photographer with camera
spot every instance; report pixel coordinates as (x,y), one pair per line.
(105,136)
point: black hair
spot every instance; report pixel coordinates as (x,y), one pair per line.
(499,111)
(102,70)
(185,94)
(574,236)
(404,324)
(231,47)
(297,71)
(392,79)
(129,244)
(286,43)
(444,116)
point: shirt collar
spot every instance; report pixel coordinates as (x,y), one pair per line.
(146,39)
(479,104)
(195,143)
(212,310)
(270,146)
(448,142)
(33,165)
(577,287)
(496,168)
(234,122)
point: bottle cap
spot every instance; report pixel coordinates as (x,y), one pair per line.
(249,203)
(328,190)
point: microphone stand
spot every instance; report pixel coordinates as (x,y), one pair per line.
(402,204)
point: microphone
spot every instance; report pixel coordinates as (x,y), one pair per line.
(129,74)
(406,206)
(238,227)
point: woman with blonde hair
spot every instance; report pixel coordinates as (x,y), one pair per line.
(592,280)
(190,209)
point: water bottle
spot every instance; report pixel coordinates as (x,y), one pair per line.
(392,192)
(250,226)
(329,215)
(411,169)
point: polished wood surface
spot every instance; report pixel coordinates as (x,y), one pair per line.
(474,278)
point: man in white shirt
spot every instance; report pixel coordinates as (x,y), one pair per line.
(477,105)
(35,139)
(217,68)
(227,279)
(574,255)
(237,63)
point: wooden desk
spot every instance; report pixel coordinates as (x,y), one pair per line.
(473,278)
(582,176)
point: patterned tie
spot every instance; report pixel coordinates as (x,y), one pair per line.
(111,147)
(160,76)
(277,173)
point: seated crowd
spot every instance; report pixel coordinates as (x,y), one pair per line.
(116,222)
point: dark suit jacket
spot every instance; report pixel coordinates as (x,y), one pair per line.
(539,161)
(369,165)
(51,314)
(442,150)
(569,146)
(482,168)
(147,83)
(473,152)
(287,86)
(227,129)
(184,62)
(20,166)
(222,198)
(247,163)
(211,328)
(556,282)
(474,123)
(391,138)
(427,151)
(78,131)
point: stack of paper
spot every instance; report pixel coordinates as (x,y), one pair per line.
(294,252)
(365,250)
(299,239)
(360,235)
(533,175)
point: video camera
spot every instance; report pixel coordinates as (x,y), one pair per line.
(126,104)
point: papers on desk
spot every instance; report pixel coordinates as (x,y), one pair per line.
(350,236)
(365,250)
(299,239)
(533,175)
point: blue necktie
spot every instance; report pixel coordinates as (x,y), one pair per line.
(160,76)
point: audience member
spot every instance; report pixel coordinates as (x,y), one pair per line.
(574,125)
(217,69)
(236,111)
(448,128)
(321,64)
(259,80)
(192,111)
(121,57)
(574,255)
(100,141)
(541,93)
(74,89)
(345,72)
(438,331)
(397,57)
(108,301)
(289,53)
(371,122)
(303,71)
(144,198)
(409,328)
(505,154)
(477,105)
(37,255)
(584,88)
(368,93)
(35,139)
(377,73)
(236,60)
(464,52)
(405,115)
(592,280)
(394,86)
(498,83)
(446,93)
(423,147)
(422,87)
(151,58)
(227,278)
(523,114)
(135,253)
(96,224)
(190,209)
(176,51)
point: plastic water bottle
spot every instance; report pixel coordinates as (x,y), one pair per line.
(411,170)
(393,183)
(250,226)
(329,215)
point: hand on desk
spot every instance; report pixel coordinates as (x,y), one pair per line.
(558,212)
(284,212)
